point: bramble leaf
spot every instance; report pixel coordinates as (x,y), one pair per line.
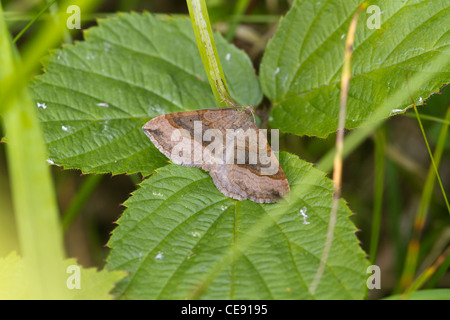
(302,65)
(96,95)
(178,229)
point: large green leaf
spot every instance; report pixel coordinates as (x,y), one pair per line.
(178,227)
(95,95)
(94,284)
(301,68)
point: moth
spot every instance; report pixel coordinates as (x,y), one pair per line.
(228,144)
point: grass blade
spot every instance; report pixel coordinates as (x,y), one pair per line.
(338,157)
(419,221)
(33,196)
(88,186)
(380,145)
(35,18)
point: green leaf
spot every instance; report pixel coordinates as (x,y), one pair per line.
(178,228)
(96,95)
(94,284)
(301,68)
(13,283)
(429,294)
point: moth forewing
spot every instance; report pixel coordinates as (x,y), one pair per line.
(228,144)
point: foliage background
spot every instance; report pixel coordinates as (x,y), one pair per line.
(407,160)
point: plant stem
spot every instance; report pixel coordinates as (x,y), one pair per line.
(83,195)
(380,145)
(36,211)
(424,276)
(419,221)
(239,11)
(35,18)
(208,52)
(33,195)
(337,171)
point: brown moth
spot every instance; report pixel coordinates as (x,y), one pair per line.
(226,143)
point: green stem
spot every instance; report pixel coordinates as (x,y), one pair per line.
(35,207)
(412,255)
(36,17)
(442,270)
(428,117)
(34,200)
(208,52)
(380,145)
(82,196)
(438,152)
(426,275)
(394,202)
(54,13)
(239,10)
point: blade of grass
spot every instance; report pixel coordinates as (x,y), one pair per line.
(208,52)
(429,294)
(36,47)
(428,117)
(239,10)
(438,151)
(54,13)
(380,147)
(419,221)
(15,16)
(394,198)
(338,159)
(440,272)
(424,276)
(436,244)
(33,196)
(35,18)
(34,200)
(258,18)
(87,188)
